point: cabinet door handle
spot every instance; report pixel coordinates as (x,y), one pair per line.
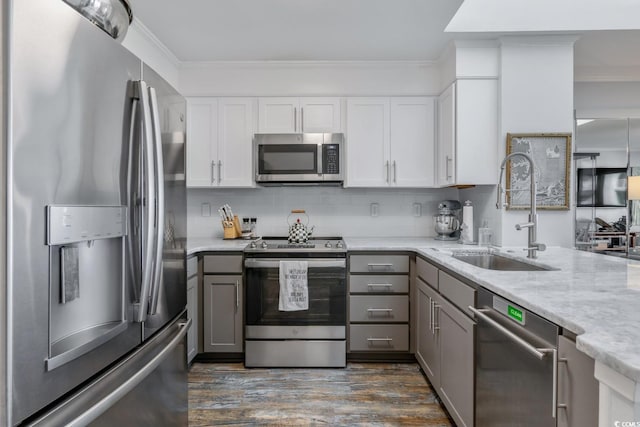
(219,171)
(395,172)
(387,340)
(449,174)
(301,119)
(237,295)
(562,405)
(436,326)
(295,119)
(213,171)
(386,166)
(431,315)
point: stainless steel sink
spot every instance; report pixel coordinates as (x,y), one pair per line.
(493,261)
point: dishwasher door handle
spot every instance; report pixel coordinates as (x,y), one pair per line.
(540,353)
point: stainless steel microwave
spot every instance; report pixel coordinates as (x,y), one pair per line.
(298,158)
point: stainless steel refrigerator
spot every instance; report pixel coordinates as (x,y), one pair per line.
(92,258)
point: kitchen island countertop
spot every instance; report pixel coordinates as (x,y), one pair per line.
(595,296)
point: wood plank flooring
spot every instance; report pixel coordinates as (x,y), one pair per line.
(372,394)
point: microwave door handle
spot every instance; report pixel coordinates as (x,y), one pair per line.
(159,201)
(319,159)
(147,205)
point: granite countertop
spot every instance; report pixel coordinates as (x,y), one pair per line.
(595,296)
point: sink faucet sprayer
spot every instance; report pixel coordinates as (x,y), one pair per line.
(532,225)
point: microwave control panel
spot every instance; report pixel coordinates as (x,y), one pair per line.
(331,159)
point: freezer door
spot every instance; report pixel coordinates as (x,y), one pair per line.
(169,292)
(71,107)
(149,388)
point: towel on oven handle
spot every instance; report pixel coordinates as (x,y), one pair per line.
(294,292)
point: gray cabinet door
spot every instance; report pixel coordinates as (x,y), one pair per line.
(192,313)
(428,346)
(577,387)
(456,362)
(222,307)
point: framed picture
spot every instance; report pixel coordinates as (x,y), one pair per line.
(551,153)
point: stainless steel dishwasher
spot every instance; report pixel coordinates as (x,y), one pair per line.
(516,365)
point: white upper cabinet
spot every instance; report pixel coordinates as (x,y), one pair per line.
(297,115)
(219,142)
(467,144)
(413,141)
(390,142)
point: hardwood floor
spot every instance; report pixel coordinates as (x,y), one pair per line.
(372,394)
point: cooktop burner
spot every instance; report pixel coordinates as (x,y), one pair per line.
(278,244)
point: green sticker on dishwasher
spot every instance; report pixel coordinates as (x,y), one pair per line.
(514,313)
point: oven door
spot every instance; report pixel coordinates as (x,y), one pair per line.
(326,281)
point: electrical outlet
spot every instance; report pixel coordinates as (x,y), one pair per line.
(417,209)
(374,209)
(206,209)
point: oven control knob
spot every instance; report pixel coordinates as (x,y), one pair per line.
(339,244)
(264,245)
(253,245)
(328,244)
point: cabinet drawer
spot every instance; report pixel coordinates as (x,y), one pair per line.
(379,284)
(379,264)
(222,264)
(192,266)
(379,338)
(379,308)
(427,272)
(460,294)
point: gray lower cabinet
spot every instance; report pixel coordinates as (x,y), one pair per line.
(222,314)
(445,341)
(192,307)
(222,304)
(577,387)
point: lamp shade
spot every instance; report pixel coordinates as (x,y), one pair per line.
(633,187)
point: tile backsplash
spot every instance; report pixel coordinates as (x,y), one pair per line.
(334,211)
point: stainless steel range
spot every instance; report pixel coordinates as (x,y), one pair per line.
(313,337)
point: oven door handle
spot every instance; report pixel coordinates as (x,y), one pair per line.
(312,263)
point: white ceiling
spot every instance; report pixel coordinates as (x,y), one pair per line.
(335,30)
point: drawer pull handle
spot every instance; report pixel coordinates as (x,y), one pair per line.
(387,311)
(380,266)
(373,341)
(387,286)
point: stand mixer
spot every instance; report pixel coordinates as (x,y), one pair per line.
(447,221)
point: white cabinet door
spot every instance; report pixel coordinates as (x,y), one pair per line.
(278,115)
(412,142)
(476,132)
(367,142)
(235,133)
(318,115)
(202,135)
(192,313)
(445,152)
(468,132)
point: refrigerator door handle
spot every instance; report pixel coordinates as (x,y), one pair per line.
(150,190)
(132,195)
(159,203)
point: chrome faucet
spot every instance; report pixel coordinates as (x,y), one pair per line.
(532,225)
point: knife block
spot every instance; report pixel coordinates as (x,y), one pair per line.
(232,229)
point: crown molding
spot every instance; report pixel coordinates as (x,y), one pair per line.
(307,64)
(144,32)
(606,74)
